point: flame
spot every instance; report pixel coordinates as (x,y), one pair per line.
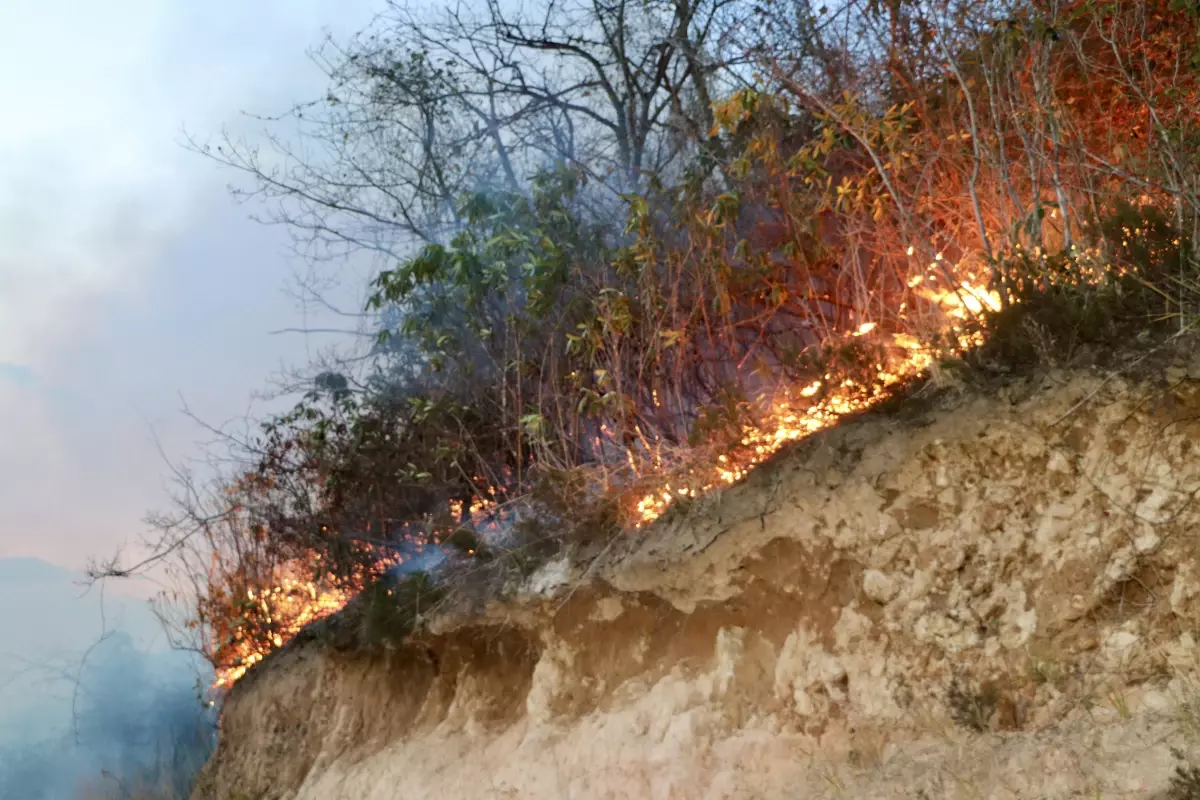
(296,602)
(796,417)
(298,599)
(271,617)
(287,608)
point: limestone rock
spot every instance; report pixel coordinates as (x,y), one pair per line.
(880,587)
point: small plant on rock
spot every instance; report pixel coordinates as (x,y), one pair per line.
(972,708)
(1185,783)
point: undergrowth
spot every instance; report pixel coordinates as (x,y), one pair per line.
(565,344)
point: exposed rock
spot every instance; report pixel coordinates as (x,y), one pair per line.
(1037,550)
(880,587)
(1183,589)
(1119,649)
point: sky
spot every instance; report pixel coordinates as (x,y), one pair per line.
(130,281)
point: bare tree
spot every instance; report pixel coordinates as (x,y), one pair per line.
(425,106)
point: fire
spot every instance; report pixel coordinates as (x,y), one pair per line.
(267,619)
(297,602)
(286,609)
(796,416)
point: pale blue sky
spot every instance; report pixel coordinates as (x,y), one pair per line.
(128,277)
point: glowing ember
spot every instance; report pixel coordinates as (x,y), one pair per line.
(286,608)
(283,610)
(266,619)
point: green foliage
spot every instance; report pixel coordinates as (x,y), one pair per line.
(507,267)
(722,420)
(561,349)
(1142,285)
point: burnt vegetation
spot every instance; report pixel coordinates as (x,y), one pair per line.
(609,236)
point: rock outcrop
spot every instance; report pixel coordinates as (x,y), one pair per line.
(983,594)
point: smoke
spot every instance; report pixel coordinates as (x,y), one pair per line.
(139,730)
(88,716)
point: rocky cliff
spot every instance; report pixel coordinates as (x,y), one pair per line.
(990,592)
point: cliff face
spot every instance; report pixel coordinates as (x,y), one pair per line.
(993,595)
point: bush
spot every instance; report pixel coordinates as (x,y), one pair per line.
(792,250)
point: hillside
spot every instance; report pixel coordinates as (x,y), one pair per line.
(982,592)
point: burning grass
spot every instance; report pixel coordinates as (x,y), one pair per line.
(274,614)
(801,411)
(266,615)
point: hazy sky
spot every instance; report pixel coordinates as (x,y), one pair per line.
(128,277)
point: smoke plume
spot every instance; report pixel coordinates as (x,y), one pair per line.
(93,709)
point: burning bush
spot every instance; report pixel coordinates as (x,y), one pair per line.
(814,213)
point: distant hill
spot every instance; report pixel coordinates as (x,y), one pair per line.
(29,570)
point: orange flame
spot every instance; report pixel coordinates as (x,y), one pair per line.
(298,599)
(793,418)
(287,608)
(296,603)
